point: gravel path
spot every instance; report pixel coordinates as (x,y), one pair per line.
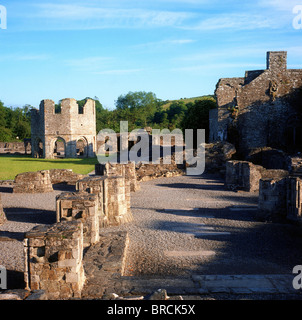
(182,225)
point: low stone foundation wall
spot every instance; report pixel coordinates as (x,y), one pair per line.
(54,260)
(2,214)
(245,175)
(64,176)
(281,197)
(33,182)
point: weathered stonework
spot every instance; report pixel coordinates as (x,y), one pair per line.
(260,109)
(80,206)
(294,198)
(117,169)
(272,197)
(54,260)
(71,133)
(114,198)
(2,214)
(245,175)
(33,182)
(64,176)
(281,197)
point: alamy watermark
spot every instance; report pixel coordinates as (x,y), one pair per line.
(297,21)
(110,150)
(3,17)
(297,282)
(3,278)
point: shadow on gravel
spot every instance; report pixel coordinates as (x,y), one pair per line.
(15,280)
(6,189)
(216,187)
(30,215)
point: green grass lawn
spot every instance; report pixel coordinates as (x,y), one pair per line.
(11,165)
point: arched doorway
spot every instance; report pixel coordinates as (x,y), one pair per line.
(82,148)
(59,148)
(39,148)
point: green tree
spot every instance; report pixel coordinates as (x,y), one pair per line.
(137,107)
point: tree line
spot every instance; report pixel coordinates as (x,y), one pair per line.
(141,109)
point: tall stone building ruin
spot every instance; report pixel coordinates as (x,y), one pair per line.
(261,109)
(69,131)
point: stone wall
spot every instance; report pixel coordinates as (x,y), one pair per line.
(54,260)
(33,182)
(245,175)
(281,198)
(2,214)
(117,169)
(272,197)
(80,206)
(260,109)
(64,176)
(113,195)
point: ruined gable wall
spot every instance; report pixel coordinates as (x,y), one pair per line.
(265,105)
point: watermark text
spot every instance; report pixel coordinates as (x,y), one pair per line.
(3,17)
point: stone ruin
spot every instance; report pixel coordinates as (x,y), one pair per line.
(244,175)
(68,131)
(43,181)
(54,254)
(54,260)
(33,182)
(260,109)
(259,115)
(113,194)
(128,170)
(2,214)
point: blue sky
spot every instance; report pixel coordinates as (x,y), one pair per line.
(174,48)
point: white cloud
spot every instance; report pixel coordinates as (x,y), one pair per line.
(119,71)
(237,21)
(95,17)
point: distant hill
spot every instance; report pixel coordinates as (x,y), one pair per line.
(167,103)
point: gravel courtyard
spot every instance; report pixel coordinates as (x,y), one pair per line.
(182,225)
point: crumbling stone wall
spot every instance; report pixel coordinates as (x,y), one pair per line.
(2,214)
(246,175)
(64,176)
(70,126)
(54,260)
(33,182)
(117,169)
(80,206)
(281,197)
(260,109)
(113,195)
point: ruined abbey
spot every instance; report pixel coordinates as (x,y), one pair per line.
(113,230)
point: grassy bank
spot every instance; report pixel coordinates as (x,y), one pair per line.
(11,165)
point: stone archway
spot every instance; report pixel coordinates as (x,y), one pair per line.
(38,148)
(82,147)
(59,148)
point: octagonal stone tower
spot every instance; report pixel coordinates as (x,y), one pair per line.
(68,131)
